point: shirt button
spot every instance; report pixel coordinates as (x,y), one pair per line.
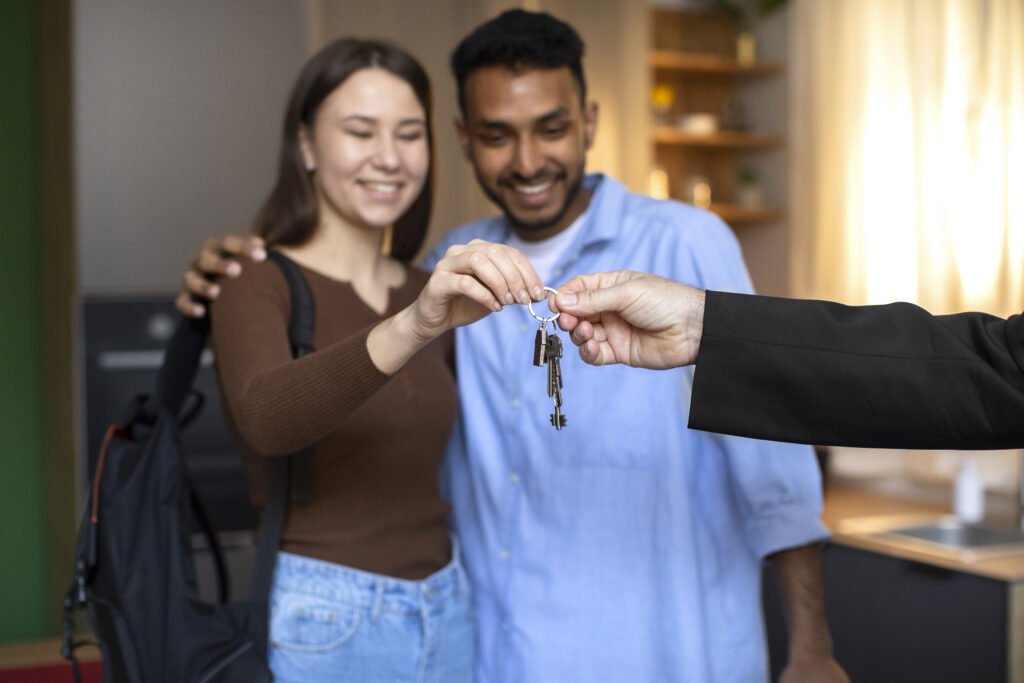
(504,627)
(505,554)
(514,403)
(557,272)
(513,478)
(522,328)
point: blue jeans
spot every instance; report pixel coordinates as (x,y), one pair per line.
(332,623)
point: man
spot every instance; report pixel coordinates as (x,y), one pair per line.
(877,376)
(623,547)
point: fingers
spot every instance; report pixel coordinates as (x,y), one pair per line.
(195,288)
(599,281)
(189,308)
(215,256)
(593,343)
(567,301)
(212,261)
(597,353)
(502,269)
(469,287)
(596,293)
(586,331)
(196,285)
(250,246)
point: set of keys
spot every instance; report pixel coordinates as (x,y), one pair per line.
(547,351)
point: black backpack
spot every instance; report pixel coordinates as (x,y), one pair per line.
(134,571)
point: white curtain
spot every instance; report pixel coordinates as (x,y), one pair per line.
(907,125)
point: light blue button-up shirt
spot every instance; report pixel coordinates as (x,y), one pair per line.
(625,547)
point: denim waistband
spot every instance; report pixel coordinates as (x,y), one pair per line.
(366,589)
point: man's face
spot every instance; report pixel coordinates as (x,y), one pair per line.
(527,137)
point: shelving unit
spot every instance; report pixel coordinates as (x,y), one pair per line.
(694,54)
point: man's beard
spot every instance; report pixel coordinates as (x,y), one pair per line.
(543,223)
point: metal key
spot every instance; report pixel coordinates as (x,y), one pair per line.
(554,354)
(547,350)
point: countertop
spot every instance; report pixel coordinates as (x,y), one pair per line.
(845,501)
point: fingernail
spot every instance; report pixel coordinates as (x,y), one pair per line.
(496,306)
(508,298)
(213,291)
(567,298)
(259,254)
(524,298)
(538,293)
(233,269)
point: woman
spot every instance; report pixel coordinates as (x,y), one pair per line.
(368,584)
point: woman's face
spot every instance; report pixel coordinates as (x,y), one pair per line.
(368,144)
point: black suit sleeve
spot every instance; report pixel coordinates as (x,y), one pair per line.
(889,376)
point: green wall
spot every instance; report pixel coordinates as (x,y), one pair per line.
(24,566)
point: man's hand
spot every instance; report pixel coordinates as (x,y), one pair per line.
(810,642)
(214,260)
(822,669)
(631,318)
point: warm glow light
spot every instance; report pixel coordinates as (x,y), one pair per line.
(925,182)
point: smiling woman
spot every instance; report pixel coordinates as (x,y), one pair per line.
(367,150)
(359,113)
(368,584)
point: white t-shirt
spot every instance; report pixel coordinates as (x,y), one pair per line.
(542,255)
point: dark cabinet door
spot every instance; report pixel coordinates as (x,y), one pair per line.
(903,621)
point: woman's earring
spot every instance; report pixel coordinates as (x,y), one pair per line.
(310,167)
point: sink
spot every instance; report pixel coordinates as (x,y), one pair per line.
(958,535)
(944,536)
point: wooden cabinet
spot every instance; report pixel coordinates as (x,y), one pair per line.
(693,63)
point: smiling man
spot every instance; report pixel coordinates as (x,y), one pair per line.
(529,162)
(625,546)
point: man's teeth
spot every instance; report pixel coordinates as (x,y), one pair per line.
(536,188)
(382,187)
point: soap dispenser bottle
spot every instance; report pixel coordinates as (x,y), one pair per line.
(968,493)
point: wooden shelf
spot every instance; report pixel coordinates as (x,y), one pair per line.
(730,213)
(665,135)
(708,64)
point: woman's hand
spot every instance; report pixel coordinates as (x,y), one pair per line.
(471,281)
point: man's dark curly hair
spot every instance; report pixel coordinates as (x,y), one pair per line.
(519,39)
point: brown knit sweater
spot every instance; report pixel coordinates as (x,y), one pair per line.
(378,439)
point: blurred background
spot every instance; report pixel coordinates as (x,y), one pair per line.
(862,150)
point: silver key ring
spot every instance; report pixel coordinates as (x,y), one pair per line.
(548,319)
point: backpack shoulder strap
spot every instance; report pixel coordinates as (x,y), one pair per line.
(303,320)
(291,477)
(181,362)
(300,336)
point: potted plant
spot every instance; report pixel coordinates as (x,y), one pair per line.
(746,13)
(748,188)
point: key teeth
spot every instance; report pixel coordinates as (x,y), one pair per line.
(561,422)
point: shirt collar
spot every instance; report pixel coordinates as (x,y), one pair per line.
(602,223)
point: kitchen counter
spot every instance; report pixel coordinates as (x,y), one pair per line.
(847,504)
(899,612)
